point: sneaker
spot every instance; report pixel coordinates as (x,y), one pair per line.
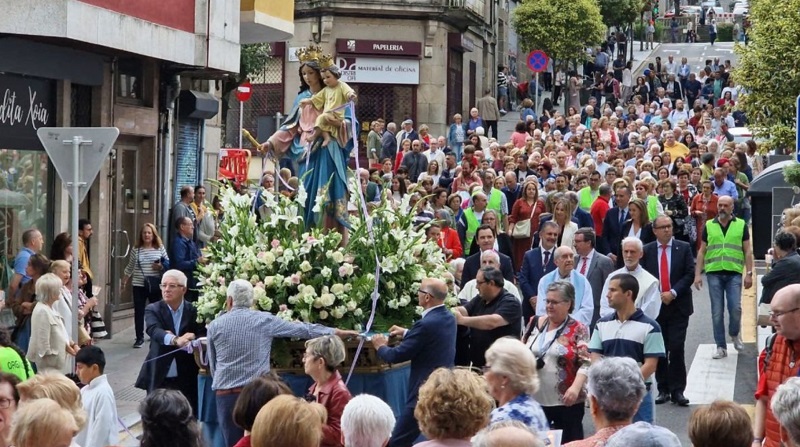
(138,344)
(737,342)
(503,112)
(721,353)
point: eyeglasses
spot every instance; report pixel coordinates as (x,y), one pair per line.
(5,403)
(169,286)
(776,314)
(486,368)
(553,302)
(425,292)
(480,282)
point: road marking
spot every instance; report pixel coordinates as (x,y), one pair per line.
(710,379)
(672,51)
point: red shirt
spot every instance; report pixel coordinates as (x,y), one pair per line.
(598,212)
(244,442)
(448,238)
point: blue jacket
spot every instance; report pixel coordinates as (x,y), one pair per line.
(430,343)
(529,275)
(451,133)
(184,258)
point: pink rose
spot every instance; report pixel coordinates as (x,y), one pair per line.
(295,279)
(276,243)
(221,281)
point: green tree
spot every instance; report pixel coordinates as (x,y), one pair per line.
(560,28)
(768,71)
(620,12)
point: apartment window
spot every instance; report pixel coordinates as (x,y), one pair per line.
(130,80)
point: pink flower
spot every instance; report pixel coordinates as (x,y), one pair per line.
(295,279)
(260,284)
(221,281)
(261,254)
(276,243)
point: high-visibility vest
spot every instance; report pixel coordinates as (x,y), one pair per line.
(472,227)
(496,202)
(724,252)
(586,197)
(652,207)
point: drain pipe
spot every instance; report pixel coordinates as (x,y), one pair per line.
(172,90)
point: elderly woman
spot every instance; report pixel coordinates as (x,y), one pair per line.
(255,395)
(43,423)
(63,306)
(8,392)
(722,423)
(674,207)
(510,372)
(49,343)
(453,406)
(287,421)
(560,345)
(322,356)
(616,389)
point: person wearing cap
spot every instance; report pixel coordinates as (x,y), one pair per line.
(407,132)
(643,434)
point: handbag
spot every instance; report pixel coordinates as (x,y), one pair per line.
(763,318)
(151,283)
(97,325)
(522,229)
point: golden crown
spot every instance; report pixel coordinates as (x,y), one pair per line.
(310,53)
(325,61)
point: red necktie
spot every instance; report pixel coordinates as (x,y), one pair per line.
(583,266)
(664,273)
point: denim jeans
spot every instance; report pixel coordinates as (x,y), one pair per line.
(722,286)
(647,409)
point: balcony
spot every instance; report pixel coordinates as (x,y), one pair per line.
(467,12)
(266,21)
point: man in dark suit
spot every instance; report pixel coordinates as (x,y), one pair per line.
(671,261)
(429,344)
(537,263)
(171,324)
(784,269)
(186,255)
(486,238)
(609,244)
(594,266)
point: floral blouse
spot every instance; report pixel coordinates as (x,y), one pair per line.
(565,358)
(525,409)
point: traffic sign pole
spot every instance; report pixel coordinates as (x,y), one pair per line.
(797,131)
(76,184)
(536,106)
(537,62)
(243,93)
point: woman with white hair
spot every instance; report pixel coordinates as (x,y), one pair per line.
(510,372)
(367,421)
(49,343)
(616,389)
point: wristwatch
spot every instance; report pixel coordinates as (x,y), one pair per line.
(174,341)
(749,273)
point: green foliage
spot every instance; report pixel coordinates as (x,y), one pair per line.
(767,70)
(791,174)
(639,27)
(560,28)
(620,12)
(725,32)
(253,59)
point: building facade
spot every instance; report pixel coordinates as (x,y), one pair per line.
(424,60)
(150,68)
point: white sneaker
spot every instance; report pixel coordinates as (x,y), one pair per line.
(503,112)
(737,342)
(721,353)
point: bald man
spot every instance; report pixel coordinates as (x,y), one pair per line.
(430,343)
(725,253)
(507,436)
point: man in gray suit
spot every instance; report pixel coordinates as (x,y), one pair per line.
(594,266)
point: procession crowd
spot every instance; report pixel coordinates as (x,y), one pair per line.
(573,248)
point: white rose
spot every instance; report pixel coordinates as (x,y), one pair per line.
(392,304)
(358,312)
(305,266)
(390,285)
(268,258)
(326,272)
(318,303)
(337,289)
(338,257)
(351,305)
(323,315)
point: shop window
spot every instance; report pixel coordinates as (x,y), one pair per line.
(25,185)
(130,80)
(393,103)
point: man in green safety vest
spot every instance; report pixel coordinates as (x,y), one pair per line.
(588,194)
(496,199)
(471,220)
(725,252)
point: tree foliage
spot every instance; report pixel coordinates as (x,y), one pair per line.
(560,28)
(620,12)
(768,70)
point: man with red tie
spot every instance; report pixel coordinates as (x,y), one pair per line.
(671,261)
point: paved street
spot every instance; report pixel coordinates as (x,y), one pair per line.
(696,53)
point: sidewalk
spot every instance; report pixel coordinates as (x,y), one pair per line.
(122,367)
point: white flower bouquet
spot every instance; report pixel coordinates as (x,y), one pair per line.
(306,274)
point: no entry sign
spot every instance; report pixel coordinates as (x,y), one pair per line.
(244,91)
(537,61)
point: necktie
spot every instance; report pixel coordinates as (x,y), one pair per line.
(583,266)
(621,217)
(664,271)
(546,258)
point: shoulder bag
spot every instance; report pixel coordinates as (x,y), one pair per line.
(522,229)
(151,283)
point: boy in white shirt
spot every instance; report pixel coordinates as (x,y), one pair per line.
(98,400)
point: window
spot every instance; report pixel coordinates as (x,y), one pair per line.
(130,77)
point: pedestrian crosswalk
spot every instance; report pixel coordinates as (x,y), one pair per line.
(709,379)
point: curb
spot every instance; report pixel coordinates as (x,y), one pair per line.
(130,430)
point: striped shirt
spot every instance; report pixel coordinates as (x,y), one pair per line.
(240,343)
(638,337)
(140,264)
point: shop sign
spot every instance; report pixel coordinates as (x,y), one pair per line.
(374,70)
(378,47)
(26,104)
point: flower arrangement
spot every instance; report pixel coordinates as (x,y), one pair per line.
(308,274)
